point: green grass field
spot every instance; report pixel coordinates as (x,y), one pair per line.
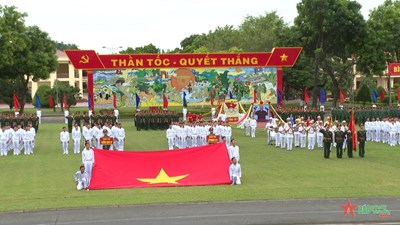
(44,180)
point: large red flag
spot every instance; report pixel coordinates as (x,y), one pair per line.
(113,169)
(341,96)
(306,97)
(398,94)
(51,101)
(16,102)
(352,128)
(382,96)
(165,102)
(65,102)
(114,100)
(254,96)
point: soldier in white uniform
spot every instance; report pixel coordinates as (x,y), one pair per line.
(320,136)
(87,133)
(170,134)
(296,133)
(367,126)
(27,139)
(289,137)
(235,172)
(247,126)
(3,141)
(64,138)
(311,135)
(81,179)
(303,135)
(97,134)
(88,160)
(253,125)
(116,113)
(119,137)
(392,133)
(16,140)
(76,137)
(234,150)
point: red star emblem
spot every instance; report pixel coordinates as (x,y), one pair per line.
(348,208)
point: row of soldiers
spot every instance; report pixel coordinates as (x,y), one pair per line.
(314,132)
(103,117)
(386,130)
(361,114)
(23,120)
(297,112)
(155,120)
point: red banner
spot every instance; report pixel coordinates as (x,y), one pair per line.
(394,68)
(279,57)
(16,102)
(114,169)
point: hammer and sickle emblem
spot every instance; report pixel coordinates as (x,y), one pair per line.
(84,59)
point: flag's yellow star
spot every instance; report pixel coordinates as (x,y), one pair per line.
(163,177)
(284,57)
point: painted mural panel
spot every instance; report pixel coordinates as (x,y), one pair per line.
(198,84)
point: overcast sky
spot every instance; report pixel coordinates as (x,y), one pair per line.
(92,24)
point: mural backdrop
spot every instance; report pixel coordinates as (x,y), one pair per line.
(199,85)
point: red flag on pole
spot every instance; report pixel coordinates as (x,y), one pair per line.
(382,96)
(341,96)
(211,98)
(306,97)
(352,128)
(16,102)
(165,102)
(398,94)
(114,100)
(255,96)
(65,102)
(51,101)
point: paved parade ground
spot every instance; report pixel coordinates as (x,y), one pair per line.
(307,211)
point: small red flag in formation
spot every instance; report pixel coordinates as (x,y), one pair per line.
(352,128)
(16,102)
(51,101)
(65,102)
(306,97)
(165,102)
(114,100)
(341,96)
(382,96)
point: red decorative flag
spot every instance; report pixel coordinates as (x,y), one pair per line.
(341,96)
(382,96)
(306,97)
(254,96)
(128,169)
(16,102)
(165,102)
(352,128)
(51,101)
(211,98)
(114,100)
(398,94)
(65,102)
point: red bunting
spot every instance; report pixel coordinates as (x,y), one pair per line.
(382,96)
(16,102)
(341,96)
(306,97)
(165,102)
(51,101)
(65,102)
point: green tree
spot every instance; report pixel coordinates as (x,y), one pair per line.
(260,34)
(60,90)
(332,32)
(29,52)
(65,46)
(43,93)
(364,94)
(146,49)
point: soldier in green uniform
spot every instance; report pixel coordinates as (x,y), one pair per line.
(113,118)
(349,142)
(35,122)
(327,140)
(361,137)
(77,118)
(86,118)
(70,121)
(339,138)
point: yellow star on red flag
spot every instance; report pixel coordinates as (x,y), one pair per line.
(163,177)
(284,57)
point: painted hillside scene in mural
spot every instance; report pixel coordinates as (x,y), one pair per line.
(198,84)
